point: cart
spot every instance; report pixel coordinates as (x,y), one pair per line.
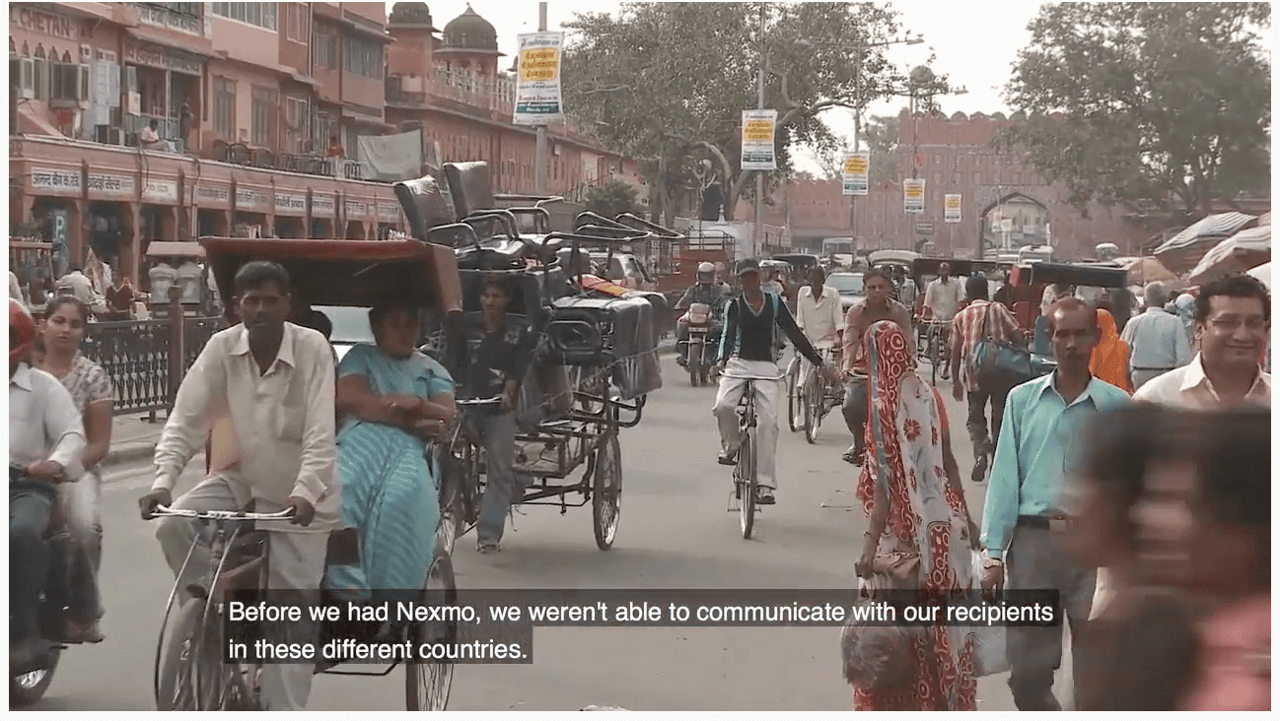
(190,670)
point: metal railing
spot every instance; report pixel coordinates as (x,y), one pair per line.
(138,356)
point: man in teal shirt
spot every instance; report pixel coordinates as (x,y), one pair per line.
(1026,514)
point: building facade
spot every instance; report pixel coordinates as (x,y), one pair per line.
(259,106)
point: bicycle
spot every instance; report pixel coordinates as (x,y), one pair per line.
(746,484)
(816,396)
(191,673)
(934,348)
(459,507)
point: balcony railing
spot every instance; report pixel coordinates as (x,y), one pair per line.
(241,154)
(497,98)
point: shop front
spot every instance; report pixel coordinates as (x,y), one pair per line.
(358,212)
(323,211)
(254,208)
(291,213)
(213,208)
(388,218)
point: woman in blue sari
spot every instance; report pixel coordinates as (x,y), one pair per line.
(392,399)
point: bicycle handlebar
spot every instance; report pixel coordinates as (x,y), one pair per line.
(496,400)
(754,378)
(163,511)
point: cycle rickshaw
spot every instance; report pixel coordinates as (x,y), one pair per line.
(190,670)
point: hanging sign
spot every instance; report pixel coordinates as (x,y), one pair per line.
(757,139)
(856,167)
(951,208)
(913,195)
(538,98)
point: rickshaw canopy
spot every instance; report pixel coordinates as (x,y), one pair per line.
(348,272)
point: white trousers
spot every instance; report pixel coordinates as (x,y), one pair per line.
(726,412)
(296,564)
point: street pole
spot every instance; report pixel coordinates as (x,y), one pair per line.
(857,127)
(540,162)
(758,231)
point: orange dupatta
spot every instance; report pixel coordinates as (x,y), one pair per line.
(1111,356)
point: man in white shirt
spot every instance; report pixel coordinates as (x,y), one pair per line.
(1157,342)
(15,289)
(1233,316)
(944,294)
(78,285)
(818,314)
(46,438)
(272,383)
(149,137)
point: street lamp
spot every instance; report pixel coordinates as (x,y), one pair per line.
(858,48)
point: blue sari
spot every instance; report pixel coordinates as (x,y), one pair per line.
(389,492)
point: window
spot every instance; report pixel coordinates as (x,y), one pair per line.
(262,15)
(192,9)
(298,25)
(324,49)
(363,57)
(299,123)
(324,127)
(977,178)
(264,116)
(224,107)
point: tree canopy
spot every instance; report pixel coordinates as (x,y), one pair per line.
(1164,103)
(613,199)
(666,83)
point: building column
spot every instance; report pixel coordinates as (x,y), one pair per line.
(77,232)
(131,250)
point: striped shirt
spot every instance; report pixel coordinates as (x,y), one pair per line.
(967,331)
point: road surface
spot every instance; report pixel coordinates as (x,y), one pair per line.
(675,532)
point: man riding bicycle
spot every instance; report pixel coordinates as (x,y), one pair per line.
(942,298)
(874,307)
(274,382)
(747,349)
(818,315)
(707,291)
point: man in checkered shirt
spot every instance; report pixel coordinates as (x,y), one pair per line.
(966,331)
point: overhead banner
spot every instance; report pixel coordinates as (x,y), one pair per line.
(913,195)
(538,99)
(952,208)
(757,139)
(856,168)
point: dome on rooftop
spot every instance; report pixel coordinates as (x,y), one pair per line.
(469,31)
(410,14)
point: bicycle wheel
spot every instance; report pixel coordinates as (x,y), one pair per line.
(190,653)
(427,683)
(606,492)
(814,399)
(935,351)
(794,404)
(747,482)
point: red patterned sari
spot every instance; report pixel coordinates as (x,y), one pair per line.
(926,517)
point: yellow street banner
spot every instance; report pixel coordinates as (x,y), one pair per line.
(856,169)
(538,98)
(757,139)
(913,195)
(952,208)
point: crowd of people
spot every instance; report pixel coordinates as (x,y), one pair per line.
(1133,478)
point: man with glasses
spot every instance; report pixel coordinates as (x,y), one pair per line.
(1026,521)
(1233,318)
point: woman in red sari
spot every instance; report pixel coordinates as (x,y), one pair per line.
(910,491)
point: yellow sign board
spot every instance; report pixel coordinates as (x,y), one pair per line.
(759,130)
(855,165)
(539,64)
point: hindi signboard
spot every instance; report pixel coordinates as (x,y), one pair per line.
(856,172)
(951,208)
(757,139)
(913,195)
(538,98)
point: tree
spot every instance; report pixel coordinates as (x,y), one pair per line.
(613,199)
(1161,103)
(667,82)
(882,140)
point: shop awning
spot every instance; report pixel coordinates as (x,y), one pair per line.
(30,123)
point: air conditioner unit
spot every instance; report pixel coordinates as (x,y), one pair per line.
(86,53)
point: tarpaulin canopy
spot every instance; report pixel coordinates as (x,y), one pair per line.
(1146,270)
(1263,273)
(1179,253)
(1242,251)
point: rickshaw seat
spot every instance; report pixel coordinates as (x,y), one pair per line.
(469,185)
(426,204)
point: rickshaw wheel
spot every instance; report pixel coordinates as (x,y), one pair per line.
(794,403)
(606,491)
(427,683)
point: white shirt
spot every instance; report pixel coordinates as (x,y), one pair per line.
(15,288)
(944,298)
(1188,387)
(1156,341)
(78,285)
(43,422)
(819,319)
(281,422)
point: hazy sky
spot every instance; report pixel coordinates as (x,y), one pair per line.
(976,44)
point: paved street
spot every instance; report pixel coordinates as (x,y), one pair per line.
(675,532)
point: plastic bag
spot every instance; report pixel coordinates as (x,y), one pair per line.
(991,654)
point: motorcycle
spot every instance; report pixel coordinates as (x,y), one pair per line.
(700,349)
(28,683)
